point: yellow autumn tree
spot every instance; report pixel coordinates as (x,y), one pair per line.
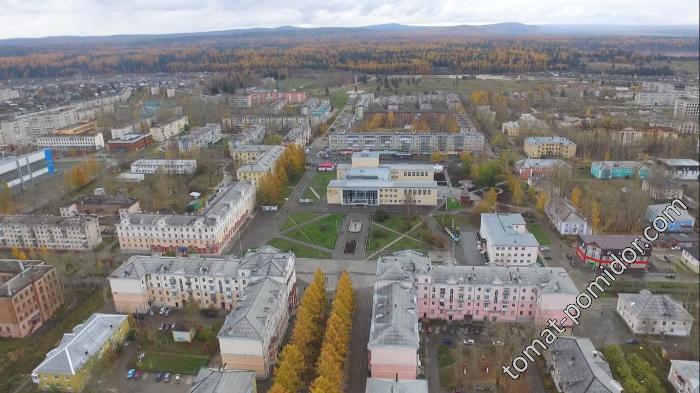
(290,368)
(390,120)
(479,97)
(596,218)
(541,201)
(488,203)
(7,200)
(576,197)
(437,156)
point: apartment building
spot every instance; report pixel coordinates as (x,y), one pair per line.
(208,232)
(242,120)
(565,218)
(200,137)
(686,109)
(598,250)
(144,282)
(618,169)
(24,128)
(83,136)
(165,131)
(253,332)
(68,367)
(30,294)
(507,241)
(571,360)
(680,168)
(663,188)
(256,160)
(684,376)
(301,135)
(129,143)
(51,232)
(549,146)
(251,135)
(8,94)
(20,171)
(367,183)
(100,205)
(266,96)
(663,94)
(646,313)
(168,167)
(407,141)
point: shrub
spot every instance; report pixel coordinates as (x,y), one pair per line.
(381,216)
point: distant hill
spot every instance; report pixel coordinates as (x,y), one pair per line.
(498,29)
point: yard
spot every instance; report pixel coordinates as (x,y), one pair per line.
(322,232)
(539,233)
(320,181)
(453,204)
(298,250)
(397,222)
(379,238)
(172,363)
(295,219)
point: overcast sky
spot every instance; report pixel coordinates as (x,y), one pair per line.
(39,18)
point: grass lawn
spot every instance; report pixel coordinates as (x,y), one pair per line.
(446,220)
(287,191)
(400,223)
(298,250)
(539,233)
(339,98)
(295,219)
(18,357)
(453,204)
(320,181)
(322,232)
(172,362)
(308,194)
(379,238)
(408,244)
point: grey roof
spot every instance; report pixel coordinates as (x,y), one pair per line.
(538,163)
(79,346)
(252,148)
(22,274)
(45,220)
(679,162)
(219,205)
(378,385)
(501,232)
(265,162)
(658,210)
(616,164)
(541,140)
(580,367)
(264,262)
(647,306)
(394,315)
(694,251)
(251,315)
(373,173)
(563,210)
(402,266)
(609,242)
(223,381)
(690,371)
(365,154)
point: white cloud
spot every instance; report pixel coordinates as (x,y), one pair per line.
(36,18)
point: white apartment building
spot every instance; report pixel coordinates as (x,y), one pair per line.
(120,132)
(252,135)
(208,232)
(200,137)
(170,167)
(51,232)
(508,243)
(301,135)
(23,129)
(143,282)
(8,94)
(72,142)
(646,313)
(686,109)
(258,160)
(684,375)
(165,131)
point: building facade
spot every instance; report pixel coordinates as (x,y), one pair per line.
(168,167)
(256,161)
(684,376)
(507,241)
(549,146)
(618,169)
(690,257)
(200,137)
(88,142)
(30,294)
(206,233)
(144,282)
(649,314)
(301,135)
(686,109)
(571,360)
(682,220)
(598,251)
(129,143)
(51,232)
(20,171)
(565,218)
(663,188)
(537,167)
(68,367)
(165,131)
(681,169)
(368,183)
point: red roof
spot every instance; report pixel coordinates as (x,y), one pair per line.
(326,164)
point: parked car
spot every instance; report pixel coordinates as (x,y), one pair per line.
(448,341)
(167,312)
(159,376)
(178,378)
(631,341)
(130,374)
(166,378)
(670,276)
(138,374)
(161,310)
(676,248)
(469,341)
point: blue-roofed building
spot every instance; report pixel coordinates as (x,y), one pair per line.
(618,169)
(677,218)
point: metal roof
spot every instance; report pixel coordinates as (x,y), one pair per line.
(394,315)
(647,306)
(223,381)
(250,317)
(501,233)
(378,385)
(580,368)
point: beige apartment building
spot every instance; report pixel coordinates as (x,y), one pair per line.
(256,160)
(549,146)
(30,294)
(367,183)
(146,281)
(51,232)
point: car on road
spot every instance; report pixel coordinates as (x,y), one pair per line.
(469,341)
(130,374)
(166,377)
(631,341)
(676,248)
(178,378)
(670,276)
(159,376)
(448,341)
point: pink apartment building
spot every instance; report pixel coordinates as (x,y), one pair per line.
(410,288)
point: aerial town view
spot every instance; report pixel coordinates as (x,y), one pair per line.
(325,197)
